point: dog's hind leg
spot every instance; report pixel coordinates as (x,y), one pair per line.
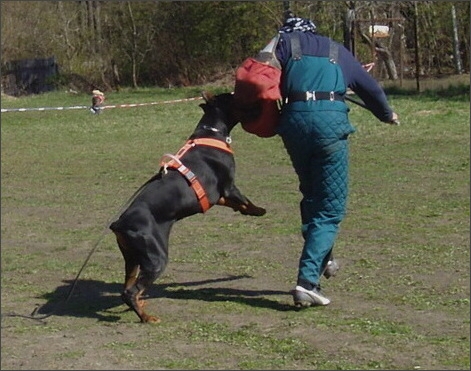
(131,265)
(151,247)
(132,297)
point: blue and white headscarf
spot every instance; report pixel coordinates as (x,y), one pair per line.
(298,24)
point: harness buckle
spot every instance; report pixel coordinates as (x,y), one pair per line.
(332,96)
(311,95)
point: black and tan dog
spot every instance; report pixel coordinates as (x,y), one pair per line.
(199,176)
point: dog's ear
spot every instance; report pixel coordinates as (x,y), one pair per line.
(207,96)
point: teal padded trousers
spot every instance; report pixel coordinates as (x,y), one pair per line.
(322,169)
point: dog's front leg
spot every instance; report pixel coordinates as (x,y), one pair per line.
(238,202)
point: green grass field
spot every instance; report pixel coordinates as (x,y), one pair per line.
(400,301)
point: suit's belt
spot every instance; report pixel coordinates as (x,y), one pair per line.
(313,95)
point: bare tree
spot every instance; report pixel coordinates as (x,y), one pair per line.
(137,36)
(456,43)
(67,35)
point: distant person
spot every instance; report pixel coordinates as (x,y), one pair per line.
(97,100)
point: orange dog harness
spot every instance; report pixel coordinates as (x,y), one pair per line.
(175,163)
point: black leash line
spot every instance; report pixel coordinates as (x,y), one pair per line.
(357,102)
(363,105)
(33,314)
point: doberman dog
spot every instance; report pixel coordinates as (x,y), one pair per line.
(200,175)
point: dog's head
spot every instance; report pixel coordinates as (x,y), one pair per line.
(219,110)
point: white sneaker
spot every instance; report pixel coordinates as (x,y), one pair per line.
(331,268)
(306,298)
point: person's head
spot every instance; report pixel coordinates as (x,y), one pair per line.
(293,23)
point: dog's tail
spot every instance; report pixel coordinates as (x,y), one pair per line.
(115,218)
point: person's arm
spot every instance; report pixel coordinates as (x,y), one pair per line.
(366,87)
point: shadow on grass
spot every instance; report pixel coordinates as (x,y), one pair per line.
(90,298)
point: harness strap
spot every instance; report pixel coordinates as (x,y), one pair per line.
(175,163)
(296,54)
(295,46)
(212,143)
(304,96)
(192,180)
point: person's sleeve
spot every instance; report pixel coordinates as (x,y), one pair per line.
(283,49)
(365,86)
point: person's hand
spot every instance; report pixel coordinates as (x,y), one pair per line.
(394,120)
(368,66)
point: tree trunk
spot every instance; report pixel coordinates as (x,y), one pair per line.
(348,31)
(417,51)
(134,46)
(384,54)
(456,43)
(97,21)
(70,49)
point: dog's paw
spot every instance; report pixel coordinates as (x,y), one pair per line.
(146,318)
(259,211)
(253,210)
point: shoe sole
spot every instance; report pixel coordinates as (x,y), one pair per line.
(303,304)
(305,300)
